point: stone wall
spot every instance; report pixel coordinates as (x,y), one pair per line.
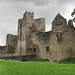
(56,44)
(2,49)
(53,45)
(27,25)
(40,24)
(62,39)
(31,39)
(19,57)
(43,43)
(11,44)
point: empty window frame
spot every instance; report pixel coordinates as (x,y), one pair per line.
(47,49)
(59,37)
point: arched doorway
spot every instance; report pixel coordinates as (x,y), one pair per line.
(34,48)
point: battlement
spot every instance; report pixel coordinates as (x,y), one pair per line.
(28,17)
(28,13)
(39,19)
(11,36)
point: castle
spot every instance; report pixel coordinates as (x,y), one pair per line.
(31,38)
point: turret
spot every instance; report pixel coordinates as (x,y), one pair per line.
(28,17)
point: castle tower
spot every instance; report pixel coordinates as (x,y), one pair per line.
(24,28)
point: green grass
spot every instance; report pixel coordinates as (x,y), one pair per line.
(8,67)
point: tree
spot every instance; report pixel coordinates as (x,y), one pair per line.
(73,15)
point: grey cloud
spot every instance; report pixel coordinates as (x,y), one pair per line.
(36,2)
(11,10)
(66,1)
(43,2)
(40,2)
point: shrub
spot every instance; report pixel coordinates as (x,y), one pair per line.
(40,59)
(55,61)
(67,61)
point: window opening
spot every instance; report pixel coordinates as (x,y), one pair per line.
(47,49)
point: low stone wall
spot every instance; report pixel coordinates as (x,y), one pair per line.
(19,58)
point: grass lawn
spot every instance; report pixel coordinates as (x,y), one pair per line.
(9,67)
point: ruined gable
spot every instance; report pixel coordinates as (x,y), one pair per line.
(58,19)
(59,23)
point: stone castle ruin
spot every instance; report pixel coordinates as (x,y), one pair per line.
(31,38)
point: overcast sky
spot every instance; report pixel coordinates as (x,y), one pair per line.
(12,10)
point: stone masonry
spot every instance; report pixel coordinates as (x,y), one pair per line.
(2,49)
(11,44)
(31,39)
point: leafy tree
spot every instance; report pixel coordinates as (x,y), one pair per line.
(73,15)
